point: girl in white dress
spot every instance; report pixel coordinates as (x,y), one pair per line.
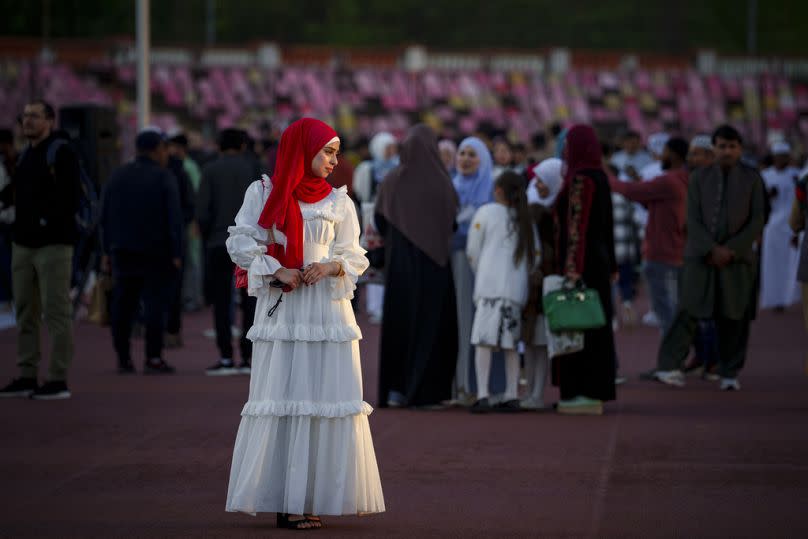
(303,446)
(501,249)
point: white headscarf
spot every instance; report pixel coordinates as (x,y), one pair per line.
(377,147)
(549,173)
(379,143)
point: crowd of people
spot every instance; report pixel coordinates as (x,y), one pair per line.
(459,237)
(708,229)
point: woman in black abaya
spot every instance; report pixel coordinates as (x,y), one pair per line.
(415,212)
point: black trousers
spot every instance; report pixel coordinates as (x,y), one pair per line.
(174,321)
(220,283)
(131,284)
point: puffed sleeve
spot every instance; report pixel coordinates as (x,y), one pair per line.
(347,251)
(247,244)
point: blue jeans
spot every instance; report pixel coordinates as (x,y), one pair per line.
(663,286)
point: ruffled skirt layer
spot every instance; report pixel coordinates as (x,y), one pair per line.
(304,443)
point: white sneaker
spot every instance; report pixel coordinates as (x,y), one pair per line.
(730,384)
(650,319)
(671,378)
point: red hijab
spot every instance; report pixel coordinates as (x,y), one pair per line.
(581,151)
(293,181)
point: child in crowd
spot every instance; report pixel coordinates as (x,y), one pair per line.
(541,195)
(502,250)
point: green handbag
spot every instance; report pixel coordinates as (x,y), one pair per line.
(573,307)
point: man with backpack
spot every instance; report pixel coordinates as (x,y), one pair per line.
(46,196)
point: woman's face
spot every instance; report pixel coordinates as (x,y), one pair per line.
(543,190)
(502,154)
(326,159)
(390,151)
(468,162)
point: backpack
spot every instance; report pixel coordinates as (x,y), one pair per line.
(89,206)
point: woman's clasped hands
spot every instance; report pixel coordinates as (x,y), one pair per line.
(309,275)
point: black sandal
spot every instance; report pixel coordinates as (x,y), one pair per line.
(284,522)
(482,406)
(508,407)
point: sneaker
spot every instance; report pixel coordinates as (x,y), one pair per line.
(245,367)
(671,378)
(222,368)
(650,319)
(51,391)
(580,406)
(158,366)
(20,387)
(730,384)
(396,399)
(126,368)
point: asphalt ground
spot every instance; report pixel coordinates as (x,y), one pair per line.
(138,456)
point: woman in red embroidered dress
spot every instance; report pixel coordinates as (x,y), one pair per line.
(586,250)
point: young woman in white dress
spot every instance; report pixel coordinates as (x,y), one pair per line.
(303,446)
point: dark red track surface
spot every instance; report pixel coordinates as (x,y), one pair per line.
(150,456)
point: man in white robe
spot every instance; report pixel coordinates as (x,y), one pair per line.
(779,288)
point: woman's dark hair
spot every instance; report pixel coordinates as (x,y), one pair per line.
(513,187)
(727,132)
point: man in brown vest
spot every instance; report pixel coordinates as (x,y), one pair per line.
(725,216)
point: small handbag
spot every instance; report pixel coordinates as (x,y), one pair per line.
(573,307)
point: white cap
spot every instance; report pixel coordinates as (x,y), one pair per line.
(657,141)
(704,142)
(781,147)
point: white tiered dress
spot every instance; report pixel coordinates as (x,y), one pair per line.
(304,444)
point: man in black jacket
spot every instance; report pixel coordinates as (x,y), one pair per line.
(46,194)
(221,194)
(141,232)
